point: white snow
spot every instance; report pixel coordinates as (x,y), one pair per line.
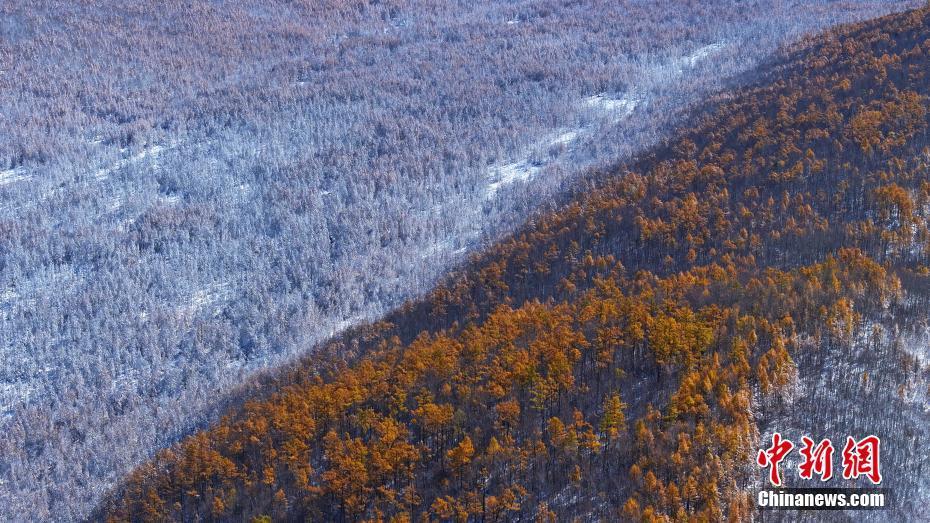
(703,53)
(610,108)
(45,281)
(171,199)
(617,108)
(919,347)
(679,65)
(346,323)
(209,296)
(527,168)
(510,173)
(12,394)
(151,152)
(8,295)
(513,22)
(12,175)
(113,203)
(125,380)
(437,247)
(565,138)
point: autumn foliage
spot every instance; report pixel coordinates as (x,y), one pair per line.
(613,358)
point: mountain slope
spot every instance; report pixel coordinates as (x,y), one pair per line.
(192,191)
(619,358)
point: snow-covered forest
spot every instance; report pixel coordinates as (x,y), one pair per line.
(191,192)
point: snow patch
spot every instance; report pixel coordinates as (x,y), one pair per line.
(690,61)
(8,295)
(564,138)
(617,108)
(346,323)
(437,247)
(527,168)
(210,296)
(127,380)
(703,53)
(171,199)
(919,347)
(12,394)
(151,153)
(510,173)
(610,108)
(12,175)
(113,203)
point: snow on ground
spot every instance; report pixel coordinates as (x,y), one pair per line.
(702,53)
(918,346)
(171,199)
(529,167)
(565,138)
(344,324)
(150,152)
(617,108)
(611,109)
(126,380)
(437,248)
(12,175)
(209,297)
(113,203)
(678,66)
(7,296)
(12,394)
(510,173)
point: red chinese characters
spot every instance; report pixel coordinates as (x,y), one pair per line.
(774,455)
(861,458)
(817,459)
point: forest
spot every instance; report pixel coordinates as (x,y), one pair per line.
(195,193)
(623,356)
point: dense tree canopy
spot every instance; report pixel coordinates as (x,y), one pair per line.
(194,191)
(620,357)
